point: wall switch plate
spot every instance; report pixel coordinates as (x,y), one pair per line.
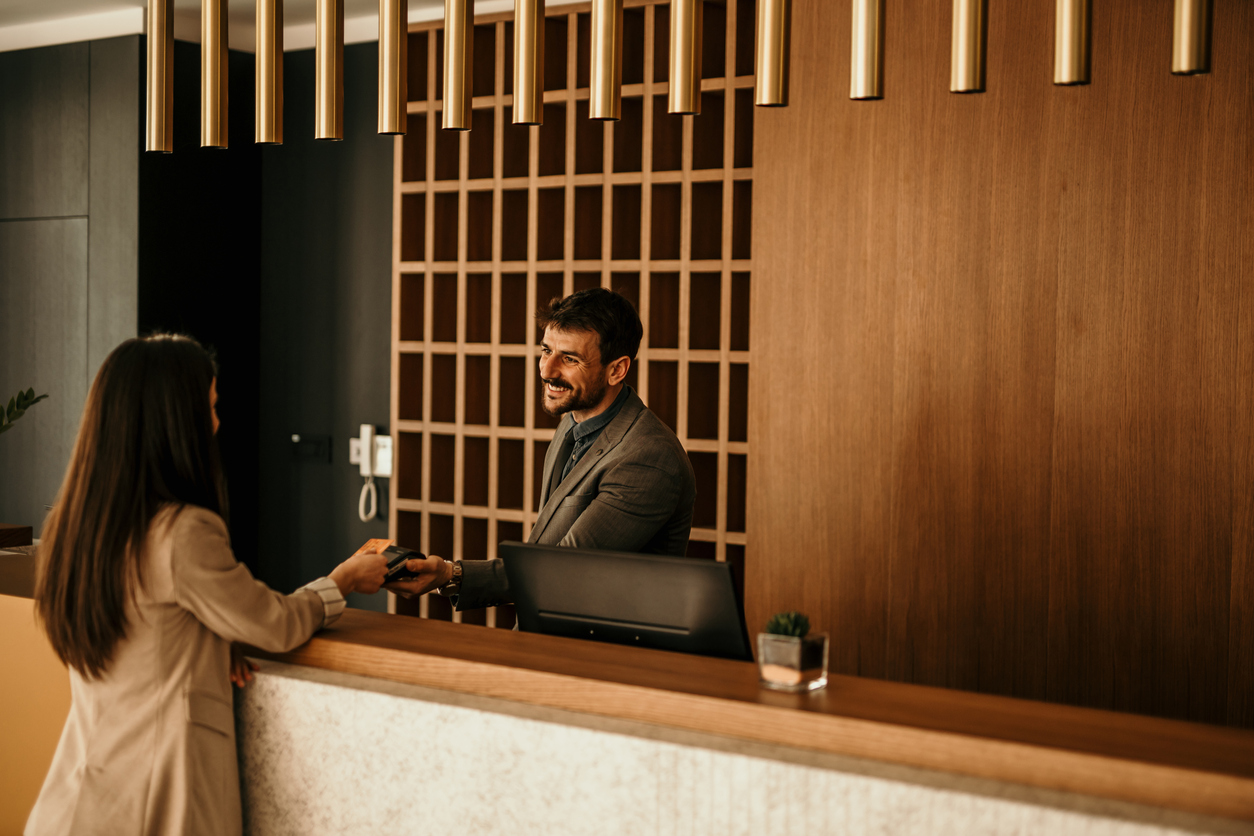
(311,448)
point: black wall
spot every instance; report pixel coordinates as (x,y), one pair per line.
(325,320)
(200,265)
(69,152)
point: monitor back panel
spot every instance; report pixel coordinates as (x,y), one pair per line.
(668,603)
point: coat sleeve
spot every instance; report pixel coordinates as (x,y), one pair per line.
(224,596)
(484,584)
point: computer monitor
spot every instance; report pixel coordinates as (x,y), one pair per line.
(668,603)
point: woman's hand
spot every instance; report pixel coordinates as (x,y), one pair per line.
(241,668)
(363,573)
(432,572)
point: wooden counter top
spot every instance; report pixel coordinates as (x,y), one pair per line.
(1165,763)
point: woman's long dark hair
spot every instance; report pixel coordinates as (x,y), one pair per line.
(146,440)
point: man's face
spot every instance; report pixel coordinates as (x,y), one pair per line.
(570,367)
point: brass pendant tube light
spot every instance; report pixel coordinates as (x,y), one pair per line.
(970,43)
(866,63)
(1072,55)
(393,72)
(329,70)
(685,89)
(160,127)
(1190,48)
(528,62)
(213,65)
(774,23)
(459,63)
(269,94)
(605,98)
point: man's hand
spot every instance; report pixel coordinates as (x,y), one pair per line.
(433,572)
(363,573)
(241,668)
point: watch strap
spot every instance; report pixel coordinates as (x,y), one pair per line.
(454,585)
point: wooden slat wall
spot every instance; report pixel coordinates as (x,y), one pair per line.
(451,464)
(1000,427)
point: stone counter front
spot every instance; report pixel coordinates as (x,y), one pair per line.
(328,752)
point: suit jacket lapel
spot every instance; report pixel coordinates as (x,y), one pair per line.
(609,438)
(566,425)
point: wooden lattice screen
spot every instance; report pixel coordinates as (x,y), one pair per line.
(490,224)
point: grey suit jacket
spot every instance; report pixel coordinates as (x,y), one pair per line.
(632,492)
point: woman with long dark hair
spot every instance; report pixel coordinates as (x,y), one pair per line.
(141,597)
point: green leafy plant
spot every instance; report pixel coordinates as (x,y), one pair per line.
(18,404)
(788,624)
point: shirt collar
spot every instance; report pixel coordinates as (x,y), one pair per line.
(583,429)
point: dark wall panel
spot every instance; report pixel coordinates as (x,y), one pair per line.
(199,257)
(1020,323)
(43,344)
(117,112)
(325,303)
(67,261)
(44,131)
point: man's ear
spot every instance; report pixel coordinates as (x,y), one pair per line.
(618,370)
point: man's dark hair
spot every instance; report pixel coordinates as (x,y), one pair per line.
(609,314)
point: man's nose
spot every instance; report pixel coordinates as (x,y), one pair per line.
(548,365)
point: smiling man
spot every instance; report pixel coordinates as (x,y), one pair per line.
(615,477)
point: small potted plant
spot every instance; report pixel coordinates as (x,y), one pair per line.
(789,659)
(18,404)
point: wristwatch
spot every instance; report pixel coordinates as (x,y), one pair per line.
(454,586)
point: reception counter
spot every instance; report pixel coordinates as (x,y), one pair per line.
(385,723)
(491,731)
(34,694)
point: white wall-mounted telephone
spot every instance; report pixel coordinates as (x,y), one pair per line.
(373,454)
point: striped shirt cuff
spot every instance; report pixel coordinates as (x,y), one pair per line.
(332,601)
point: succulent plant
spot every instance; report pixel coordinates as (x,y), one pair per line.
(788,624)
(18,404)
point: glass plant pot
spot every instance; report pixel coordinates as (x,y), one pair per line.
(788,663)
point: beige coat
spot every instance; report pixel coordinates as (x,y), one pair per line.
(150,747)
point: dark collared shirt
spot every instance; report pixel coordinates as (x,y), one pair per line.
(587,432)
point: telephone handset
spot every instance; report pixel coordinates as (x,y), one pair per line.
(368,490)
(374,458)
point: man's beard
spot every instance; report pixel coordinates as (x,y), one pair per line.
(576,403)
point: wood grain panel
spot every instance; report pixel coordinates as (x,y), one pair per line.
(1241,614)
(819,427)
(1146,384)
(1002,439)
